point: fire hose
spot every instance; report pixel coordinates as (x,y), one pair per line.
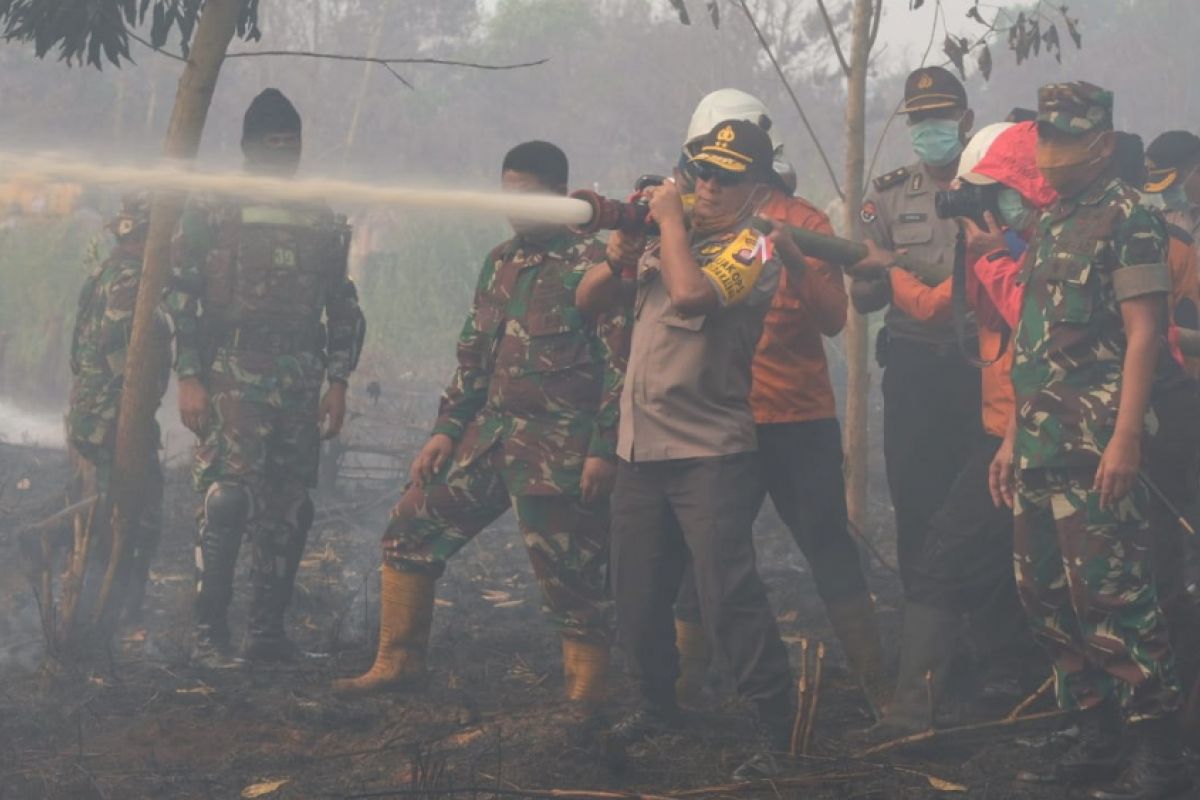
(631,215)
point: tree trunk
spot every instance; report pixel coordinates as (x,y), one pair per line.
(858,382)
(135,444)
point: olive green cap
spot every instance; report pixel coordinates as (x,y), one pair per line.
(1075,108)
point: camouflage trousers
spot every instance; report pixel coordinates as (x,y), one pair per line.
(567,541)
(1085,578)
(263,439)
(263,421)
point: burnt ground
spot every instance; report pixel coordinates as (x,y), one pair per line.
(141,723)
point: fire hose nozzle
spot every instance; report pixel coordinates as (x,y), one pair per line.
(611,215)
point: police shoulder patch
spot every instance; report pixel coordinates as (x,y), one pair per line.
(891,180)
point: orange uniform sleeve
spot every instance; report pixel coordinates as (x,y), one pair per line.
(921,302)
(822,291)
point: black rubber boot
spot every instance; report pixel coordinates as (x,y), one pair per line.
(925,649)
(1155,769)
(651,719)
(1094,757)
(219,539)
(772,735)
(1011,665)
(278,549)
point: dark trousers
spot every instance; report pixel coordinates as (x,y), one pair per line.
(663,512)
(931,425)
(1173,462)
(966,566)
(801,464)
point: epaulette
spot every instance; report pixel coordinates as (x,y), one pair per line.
(1176,232)
(890,180)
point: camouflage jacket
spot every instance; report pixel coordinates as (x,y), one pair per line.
(533,374)
(301,277)
(103,324)
(1089,253)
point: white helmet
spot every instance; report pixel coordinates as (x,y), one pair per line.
(727,104)
(976,149)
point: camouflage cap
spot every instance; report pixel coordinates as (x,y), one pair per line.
(134,216)
(1075,108)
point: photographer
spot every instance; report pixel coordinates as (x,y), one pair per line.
(688,477)
(964,568)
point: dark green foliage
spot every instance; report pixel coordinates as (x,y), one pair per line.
(93,30)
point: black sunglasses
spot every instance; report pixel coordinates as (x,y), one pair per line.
(707,172)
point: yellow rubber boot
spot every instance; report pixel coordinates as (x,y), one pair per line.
(856,627)
(405,617)
(694,657)
(585,670)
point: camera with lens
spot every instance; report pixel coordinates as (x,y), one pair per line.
(968,201)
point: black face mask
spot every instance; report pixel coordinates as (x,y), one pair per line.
(281,160)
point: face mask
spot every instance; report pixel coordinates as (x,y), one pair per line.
(1013,212)
(1067,166)
(936,141)
(265,159)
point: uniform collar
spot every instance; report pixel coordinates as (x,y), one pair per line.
(561,240)
(1093,195)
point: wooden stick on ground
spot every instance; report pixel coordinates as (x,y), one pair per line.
(1024,705)
(811,716)
(801,700)
(939,733)
(930,699)
(73,582)
(58,517)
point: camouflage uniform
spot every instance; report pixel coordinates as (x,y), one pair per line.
(248,288)
(535,393)
(1084,573)
(103,324)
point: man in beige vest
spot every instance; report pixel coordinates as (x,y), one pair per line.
(687,476)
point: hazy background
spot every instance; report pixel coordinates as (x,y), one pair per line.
(616,94)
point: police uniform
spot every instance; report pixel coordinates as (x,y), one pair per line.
(931,393)
(688,479)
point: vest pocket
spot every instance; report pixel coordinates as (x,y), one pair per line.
(1069,298)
